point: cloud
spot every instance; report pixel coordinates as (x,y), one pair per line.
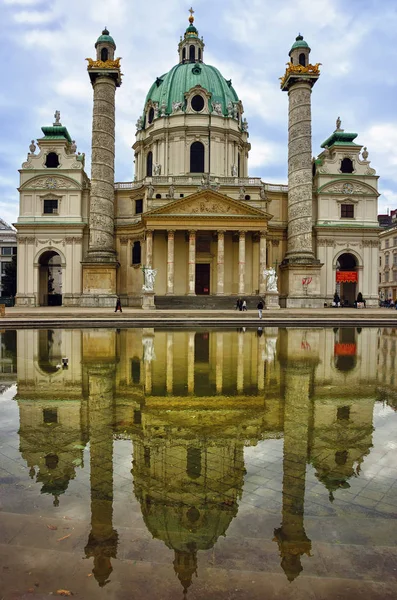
(33,18)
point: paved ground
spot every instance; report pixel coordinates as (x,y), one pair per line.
(60,316)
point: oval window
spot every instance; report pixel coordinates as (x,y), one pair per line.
(197,103)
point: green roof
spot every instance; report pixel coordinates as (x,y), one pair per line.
(56,132)
(173,86)
(299,43)
(105,38)
(340,138)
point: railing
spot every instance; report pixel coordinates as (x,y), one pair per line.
(190,180)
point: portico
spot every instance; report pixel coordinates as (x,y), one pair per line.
(206,244)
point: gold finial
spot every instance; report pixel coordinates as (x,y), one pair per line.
(191,18)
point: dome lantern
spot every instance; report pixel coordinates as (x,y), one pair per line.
(105,46)
(191,47)
(299,52)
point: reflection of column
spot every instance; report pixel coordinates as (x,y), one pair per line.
(149,249)
(170,262)
(240,362)
(261,361)
(192,263)
(221,263)
(103,539)
(219,362)
(170,363)
(291,536)
(190,363)
(241,263)
(262,262)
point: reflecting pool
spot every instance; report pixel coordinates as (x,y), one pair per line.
(208,464)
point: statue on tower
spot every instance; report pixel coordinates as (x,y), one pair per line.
(57,117)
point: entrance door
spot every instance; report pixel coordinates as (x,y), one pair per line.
(202,279)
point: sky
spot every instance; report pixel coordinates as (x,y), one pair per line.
(46,43)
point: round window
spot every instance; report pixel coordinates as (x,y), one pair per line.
(151,115)
(197,103)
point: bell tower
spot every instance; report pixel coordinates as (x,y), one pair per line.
(300,270)
(100,263)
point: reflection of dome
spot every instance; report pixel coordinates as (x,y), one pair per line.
(173,86)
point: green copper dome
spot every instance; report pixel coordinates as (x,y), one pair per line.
(105,38)
(173,86)
(299,43)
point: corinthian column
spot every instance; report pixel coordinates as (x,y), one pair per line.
(192,263)
(262,262)
(170,262)
(241,263)
(221,263)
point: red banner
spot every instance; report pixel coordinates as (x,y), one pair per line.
(344,349)
(346,276)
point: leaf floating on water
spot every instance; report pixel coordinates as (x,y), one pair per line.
(52,527)
(77,462)
(79,447)
(64,537)
(64,593)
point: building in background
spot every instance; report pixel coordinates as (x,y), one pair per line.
(193,213)
(388,261)
(8,247)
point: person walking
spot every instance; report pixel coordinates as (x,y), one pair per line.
(244,305)
(260,308)
(118,305)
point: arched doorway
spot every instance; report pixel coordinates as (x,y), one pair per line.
(50,279)
(347,278)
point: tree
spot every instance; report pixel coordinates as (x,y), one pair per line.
(9,279)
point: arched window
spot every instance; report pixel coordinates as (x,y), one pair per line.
(151,115)
(104,54)
(199,54)
(197,157)
(158,196)
(346,165)
(136,253)
(149,164)
(192,53)
(302,60)
(52,160)
(184,55)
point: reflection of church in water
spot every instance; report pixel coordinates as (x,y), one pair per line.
(191,402)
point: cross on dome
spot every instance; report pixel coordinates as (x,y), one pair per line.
(191,18)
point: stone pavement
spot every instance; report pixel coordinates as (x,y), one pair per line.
(60,315)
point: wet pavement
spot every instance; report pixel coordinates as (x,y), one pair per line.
(202,464)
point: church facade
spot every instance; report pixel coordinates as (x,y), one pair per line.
(193,217)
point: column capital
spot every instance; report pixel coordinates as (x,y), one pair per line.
(242,233)
(223,231)
(192,231)
(262,233)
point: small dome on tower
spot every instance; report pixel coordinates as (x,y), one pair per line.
(299,43)
(105,38)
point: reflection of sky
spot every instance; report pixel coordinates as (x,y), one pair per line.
(47,43)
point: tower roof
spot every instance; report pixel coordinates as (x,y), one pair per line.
(340,138)
(299,43)
(56,132)
(105,38)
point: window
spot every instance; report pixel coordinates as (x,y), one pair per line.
(138,206)
(7,251)
(380,261)
(136,253)
(302,60)
(158,196)
(50,207)
(380,278)
(192,54)
(52,160)
(346,165)
(386,276)
(184,54)
(104,54)
(387,260)
(151,115)
(197,103)
(149,164)
(395,260)
(247,197)
(347,211)
(197,157)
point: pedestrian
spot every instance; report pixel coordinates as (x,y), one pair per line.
(336,301)
(244,305)
(118,305)
(260,308)
(240,304)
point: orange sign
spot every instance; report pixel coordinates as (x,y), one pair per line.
(347,276)
(345,349)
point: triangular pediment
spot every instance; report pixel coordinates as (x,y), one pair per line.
(207,203)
